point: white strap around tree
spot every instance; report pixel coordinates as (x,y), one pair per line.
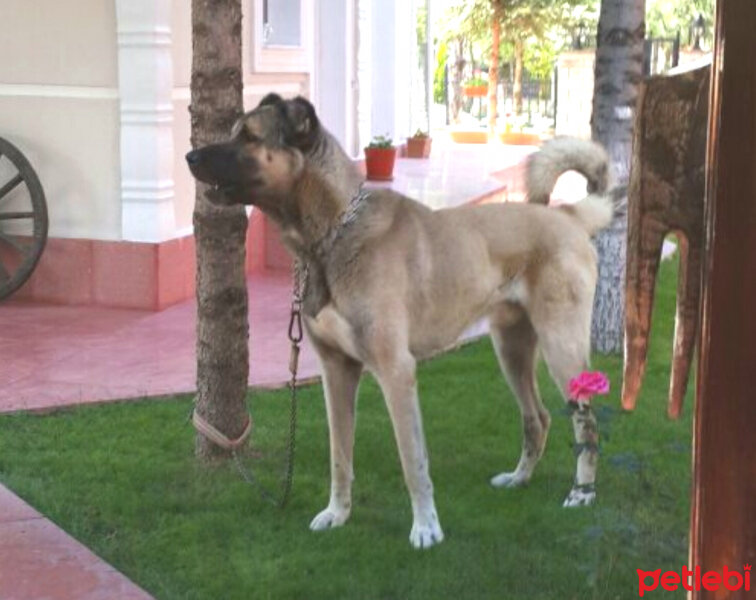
(216,436)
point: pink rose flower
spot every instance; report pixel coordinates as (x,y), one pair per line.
(586,385)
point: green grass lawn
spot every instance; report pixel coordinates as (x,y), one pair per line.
(122,479)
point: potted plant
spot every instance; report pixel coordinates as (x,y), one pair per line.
(476,87)
(519,132)
(419,145)
(380,155)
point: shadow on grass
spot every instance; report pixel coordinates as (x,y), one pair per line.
(122,479)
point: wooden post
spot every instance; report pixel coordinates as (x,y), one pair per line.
(723,527)
(666,194)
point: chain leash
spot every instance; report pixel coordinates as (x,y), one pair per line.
(301,276)
(295,334)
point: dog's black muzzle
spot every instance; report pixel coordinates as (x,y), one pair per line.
(224,167)
(216,164)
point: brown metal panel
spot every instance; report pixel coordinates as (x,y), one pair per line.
(723,526)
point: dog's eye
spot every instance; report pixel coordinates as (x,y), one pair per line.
(250,137)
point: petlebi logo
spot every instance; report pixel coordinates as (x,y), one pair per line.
(694,580)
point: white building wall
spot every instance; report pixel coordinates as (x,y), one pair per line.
(59,105)
(575,93)
(181,35)
(96,94)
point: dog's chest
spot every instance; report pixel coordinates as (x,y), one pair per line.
(317,293)
(331,329)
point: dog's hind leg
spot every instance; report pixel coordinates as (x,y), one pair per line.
(565,347)
(560,307)
(341,376)
(396,376)
(515,342)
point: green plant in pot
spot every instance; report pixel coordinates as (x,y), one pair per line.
(380,155)
(419,145)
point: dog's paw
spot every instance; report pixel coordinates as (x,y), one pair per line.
(427,535)
(328,518)
(509,480)
(580,495)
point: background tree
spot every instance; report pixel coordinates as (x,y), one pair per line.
(618,73)
(439,75)
(545,25)
(222,317)
(493,65)
(508,28)
(462,26)
(666,19)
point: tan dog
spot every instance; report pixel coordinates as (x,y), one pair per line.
(391,282)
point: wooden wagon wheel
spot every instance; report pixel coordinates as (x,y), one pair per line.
(23,219)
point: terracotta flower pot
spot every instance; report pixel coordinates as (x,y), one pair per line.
(476,91)
(379,163)
(418,147)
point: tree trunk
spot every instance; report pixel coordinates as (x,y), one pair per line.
(519,50)
(619,71)
(222,316)
(493,70)
(458,73)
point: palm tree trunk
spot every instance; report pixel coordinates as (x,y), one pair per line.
(519,50)
(619,70)
(222,321)
(493,70)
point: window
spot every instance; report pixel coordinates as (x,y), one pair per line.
(282,36)
(282,23)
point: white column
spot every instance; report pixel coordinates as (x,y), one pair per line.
(335,69)
(145,81)
(392,38)
(363,69)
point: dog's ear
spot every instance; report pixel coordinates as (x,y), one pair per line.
(271,98)
(305,125)
(302,115)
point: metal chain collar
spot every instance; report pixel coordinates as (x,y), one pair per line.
(349,215)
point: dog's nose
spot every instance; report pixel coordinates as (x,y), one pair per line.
(193,158)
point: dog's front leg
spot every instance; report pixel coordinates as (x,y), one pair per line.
(341,377)
(399,386)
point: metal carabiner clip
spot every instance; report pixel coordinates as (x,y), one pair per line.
(295,326)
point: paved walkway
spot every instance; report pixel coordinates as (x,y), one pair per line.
(53,356)
(39,561)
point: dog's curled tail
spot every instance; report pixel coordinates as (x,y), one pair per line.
(594,212)
(564,154)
